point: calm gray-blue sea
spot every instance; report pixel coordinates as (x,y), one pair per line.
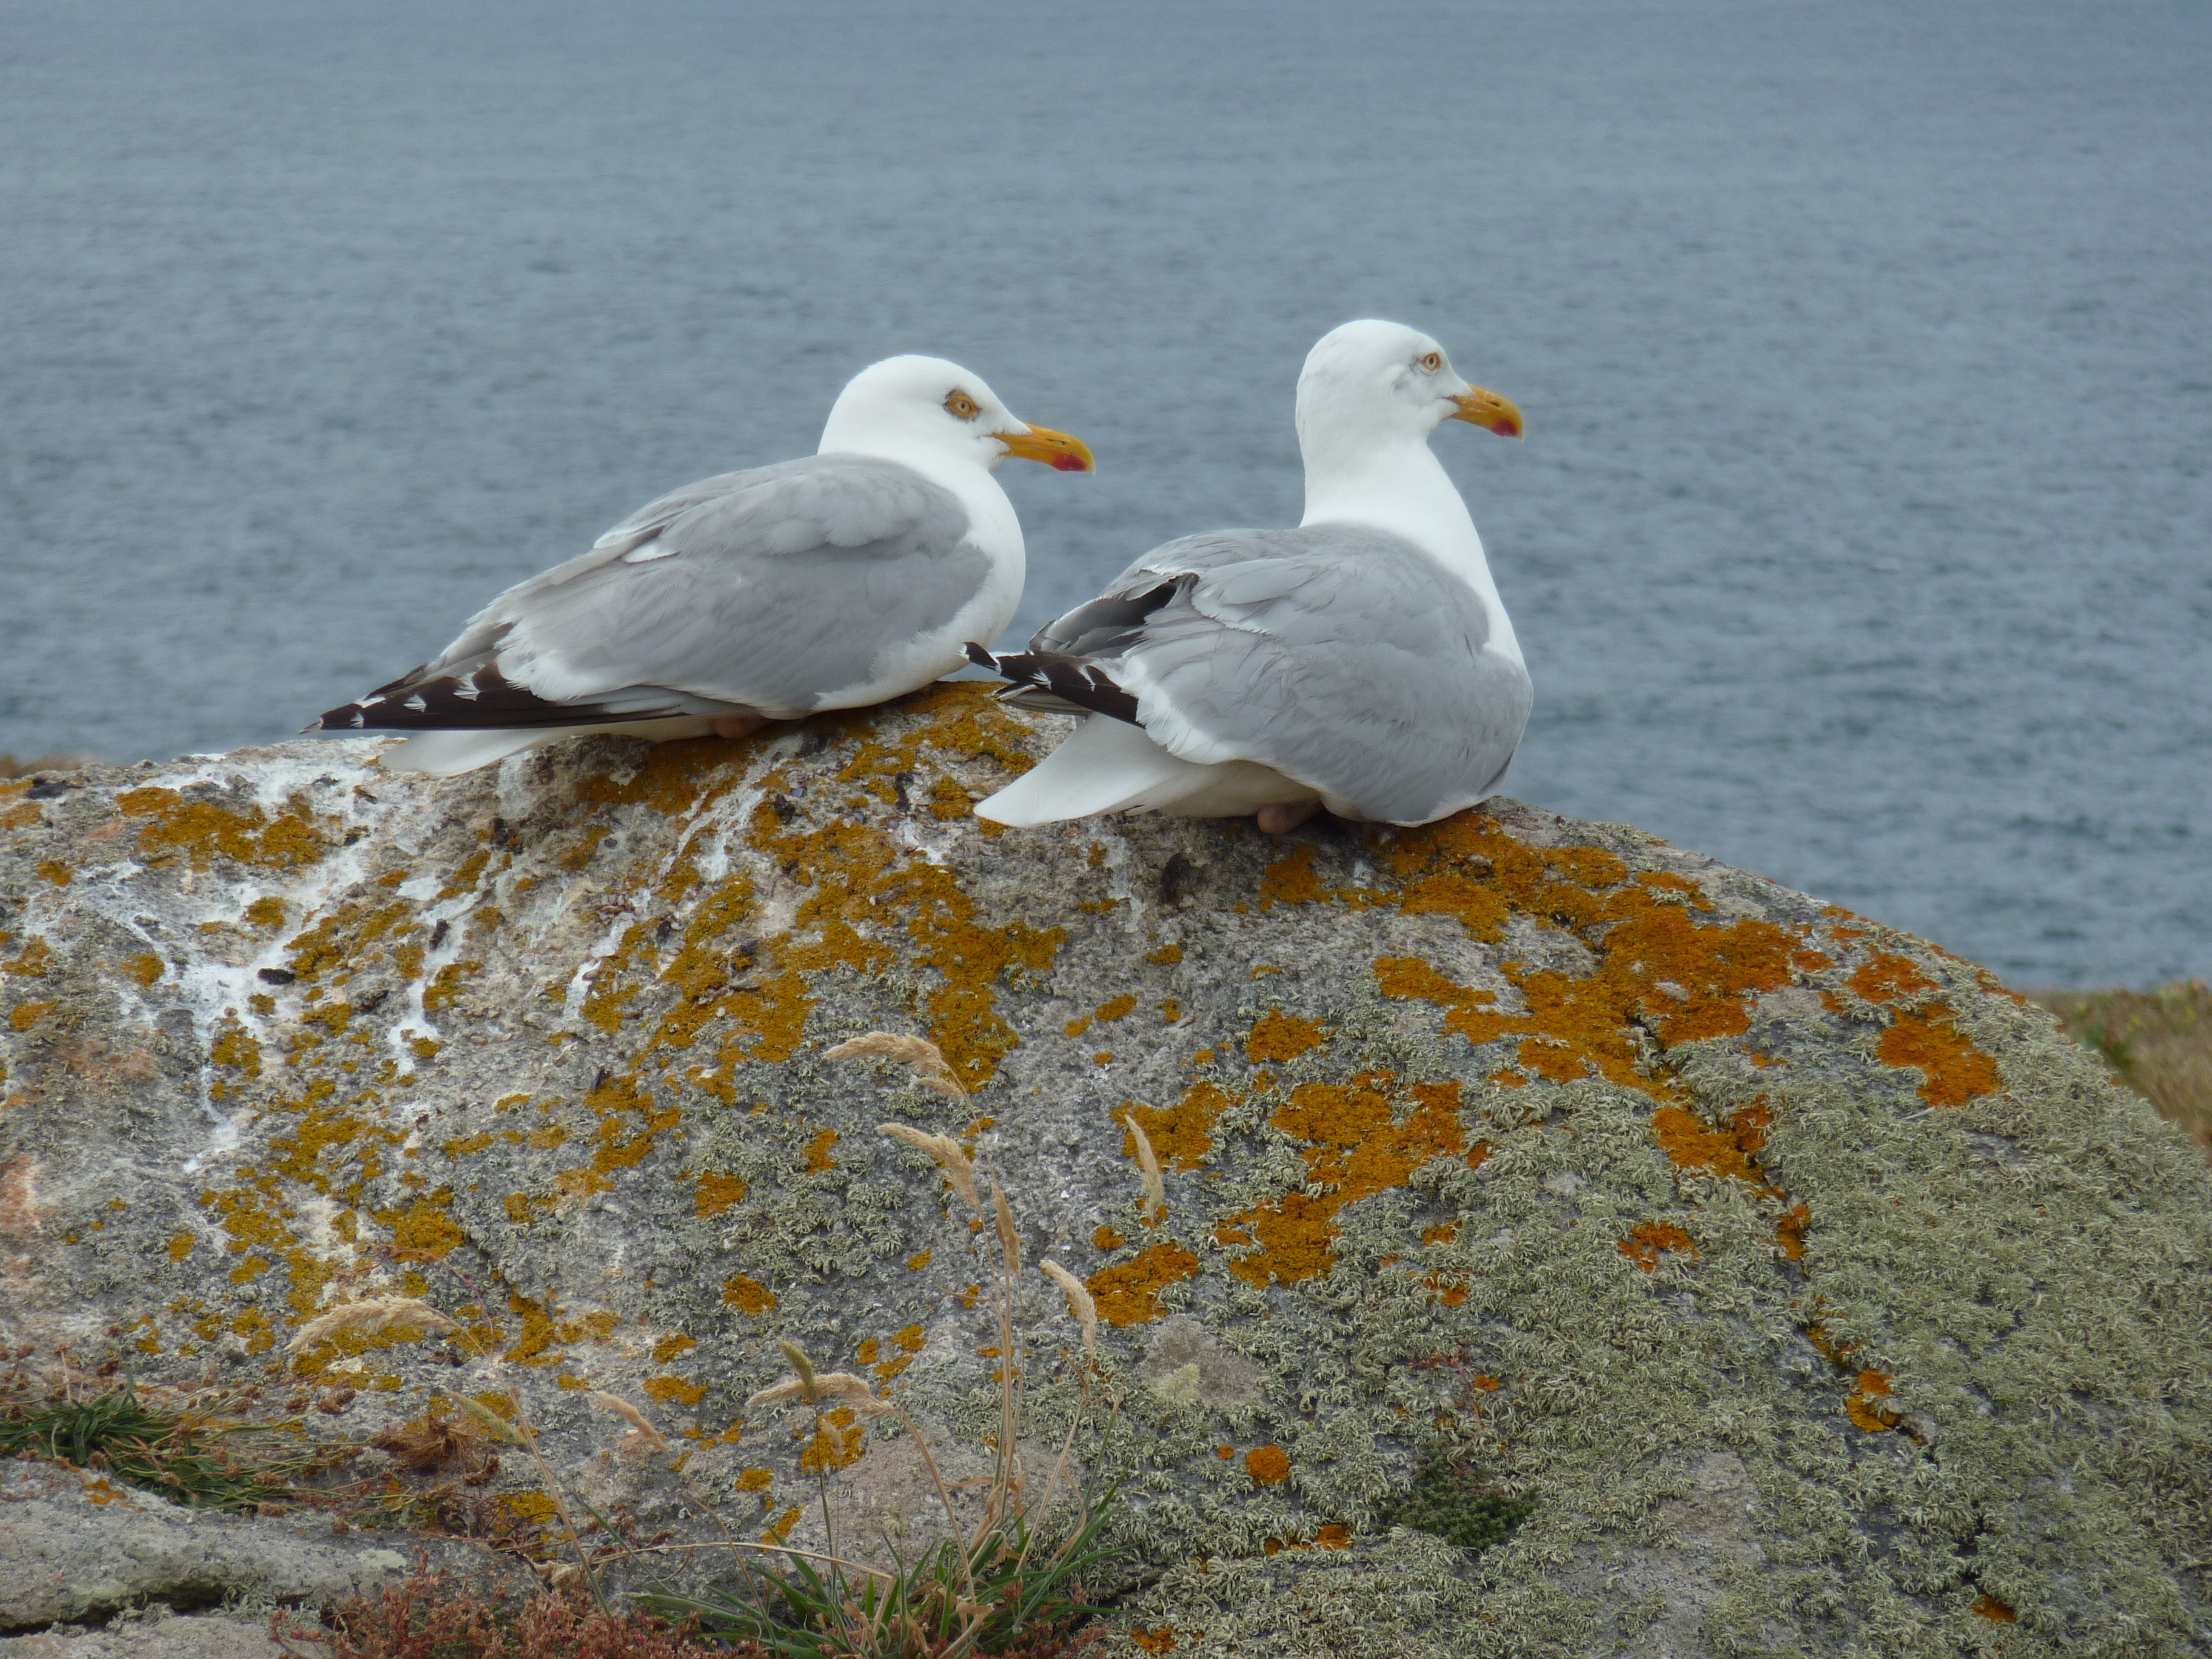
(1861,532)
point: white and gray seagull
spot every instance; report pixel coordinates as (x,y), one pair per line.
(1362,662)
(847,578)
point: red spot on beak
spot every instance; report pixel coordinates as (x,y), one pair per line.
(1066,464)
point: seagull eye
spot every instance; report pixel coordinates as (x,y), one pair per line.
(961,406)
(1431,361)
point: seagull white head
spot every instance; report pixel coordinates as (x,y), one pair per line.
(1371,385)
(925,408)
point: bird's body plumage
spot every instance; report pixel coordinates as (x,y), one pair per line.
(1363,661)
(835,581)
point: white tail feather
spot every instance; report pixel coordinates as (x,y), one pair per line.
(443,754)
(1106,765)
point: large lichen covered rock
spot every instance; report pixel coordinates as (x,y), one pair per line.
(1767,1281)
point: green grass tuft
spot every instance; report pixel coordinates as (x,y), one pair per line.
(182,1458)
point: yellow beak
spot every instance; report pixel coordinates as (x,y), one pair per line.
(1060,451)
(1488,411)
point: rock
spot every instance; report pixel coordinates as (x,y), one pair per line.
(77,1544)
(1812,1292)
(179,1636)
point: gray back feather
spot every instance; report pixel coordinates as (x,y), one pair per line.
(1344,657)
(768,588)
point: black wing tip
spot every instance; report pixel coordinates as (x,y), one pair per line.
(484,700)
(1073,679)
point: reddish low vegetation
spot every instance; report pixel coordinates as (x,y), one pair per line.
(427,1616)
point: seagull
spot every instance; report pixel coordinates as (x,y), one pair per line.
(1361,662)
(842,580)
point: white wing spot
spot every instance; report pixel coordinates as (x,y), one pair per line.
(469,688)
(648,551)
(416,703)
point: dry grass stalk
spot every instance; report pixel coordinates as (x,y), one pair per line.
(918,1055)
(491,1422)
(1079,1304)
(430,1442)
(1148,1165)
(818,1389)
(631,1415)
(945,1153)
(1010,1242)
(375,1316)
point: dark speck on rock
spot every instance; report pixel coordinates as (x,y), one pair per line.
(1178,881)
(276,976)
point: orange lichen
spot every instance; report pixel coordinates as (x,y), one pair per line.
(1356,1148)
(819,1160)
(748,1295)
(56,872)
(675,1390)
(838,1443)
(1891,979)
(1280,1036)
(1161,1639)
(200,831)
(1109,1238)
(1120,1008)
(1647,1239)
(31,961)
(1166,956)
(1293,880)
(1128,1293)
(25,1015)
(910,1342)
(717,1192)
(670,1346)
(1997,1613)
(1269,1466)
(1790,1232)
(1955,1069)
(1335,1536)
(1659,968)
(423,1233)
(1182,1134)
(1869,1414)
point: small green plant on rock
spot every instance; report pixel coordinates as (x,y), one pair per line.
(1450,1497)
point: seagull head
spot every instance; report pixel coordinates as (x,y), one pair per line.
(1371,385)
(912,409)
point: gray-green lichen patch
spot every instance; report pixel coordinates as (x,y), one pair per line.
(1813,1293)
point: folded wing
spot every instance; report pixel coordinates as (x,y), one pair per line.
(1345,658)
(765,592)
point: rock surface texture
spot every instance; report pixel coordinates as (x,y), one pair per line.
(1814,1294)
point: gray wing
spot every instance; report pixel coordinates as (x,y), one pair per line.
(760,591)
(1342,657)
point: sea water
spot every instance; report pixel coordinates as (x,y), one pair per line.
(1860,536)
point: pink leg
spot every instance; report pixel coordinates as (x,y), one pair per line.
(738,726)
(1280,820)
